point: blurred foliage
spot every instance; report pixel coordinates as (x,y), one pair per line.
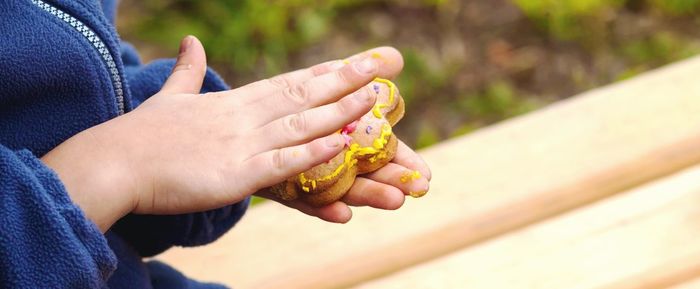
(498,101)
(468,63)
(255,200)
(248,34)
(577,19)
(569,19)
(678,7)
(656,49)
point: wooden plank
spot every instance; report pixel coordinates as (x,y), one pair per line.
(693,284)
(668,272)
(485,184)
(645,238)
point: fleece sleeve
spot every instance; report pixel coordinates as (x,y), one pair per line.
(45,240)
(149,234)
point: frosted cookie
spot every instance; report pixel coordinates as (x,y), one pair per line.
(370,144)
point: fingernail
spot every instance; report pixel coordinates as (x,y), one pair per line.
(363,96)
(336,65)
(186,43)
(417,194)
(367,66)
(333,141)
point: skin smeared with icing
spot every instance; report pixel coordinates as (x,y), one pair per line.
(410,176)
(370,144)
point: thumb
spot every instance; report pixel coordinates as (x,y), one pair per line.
(190,68)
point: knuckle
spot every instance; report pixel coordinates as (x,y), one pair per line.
(278,161)
(296,125)
(320,69)
(297,94)
(343,78)
(279,81)
(344,106)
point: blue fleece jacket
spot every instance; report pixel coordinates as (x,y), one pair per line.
(63,69)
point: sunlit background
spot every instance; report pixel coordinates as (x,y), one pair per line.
(469,63)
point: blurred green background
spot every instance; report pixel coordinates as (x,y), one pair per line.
(469,63)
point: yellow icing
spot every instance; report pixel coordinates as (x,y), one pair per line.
(377,110)
(417,194)
(376,150)
(412,176)
(416,175)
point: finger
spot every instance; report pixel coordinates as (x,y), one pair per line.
(366,192)
(272,167)
(402,178)
(390,64)
(320,90)
(337,212)
(282,81)
(408,158)
(188,74)
(310,124)
(390,60)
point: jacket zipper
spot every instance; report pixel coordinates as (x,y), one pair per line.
(96,42)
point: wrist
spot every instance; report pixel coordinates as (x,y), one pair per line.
(95,178)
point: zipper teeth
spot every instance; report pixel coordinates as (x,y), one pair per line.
(96,42)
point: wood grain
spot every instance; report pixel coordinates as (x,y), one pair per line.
(692,284)
(644,238)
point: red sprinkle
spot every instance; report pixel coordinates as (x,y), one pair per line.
(350,128)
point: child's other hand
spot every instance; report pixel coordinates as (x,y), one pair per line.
(181,151)
(385,188)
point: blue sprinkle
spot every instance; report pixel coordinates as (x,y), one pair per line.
(368,130)
(376,88)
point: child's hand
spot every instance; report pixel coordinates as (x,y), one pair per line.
(386,187)
(182,152)
(382,189)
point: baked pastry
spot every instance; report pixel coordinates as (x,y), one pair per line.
(370,144)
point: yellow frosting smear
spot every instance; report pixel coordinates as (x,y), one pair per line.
(417,194)
(376,150)
(412,176)
(377,110)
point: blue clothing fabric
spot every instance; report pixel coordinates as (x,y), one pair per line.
(63,69)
